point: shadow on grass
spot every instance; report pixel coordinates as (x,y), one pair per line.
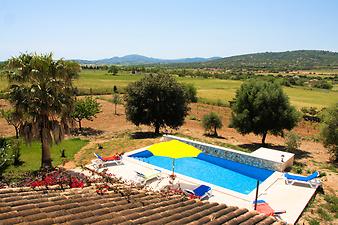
(86,131)
(213,136)
(144,135)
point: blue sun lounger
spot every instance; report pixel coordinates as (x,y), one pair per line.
(201,191)
(310,180)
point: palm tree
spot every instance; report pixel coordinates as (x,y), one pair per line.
(42,89)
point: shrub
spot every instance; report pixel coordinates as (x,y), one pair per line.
(292,141)
(15,147)
(190,92)
(311,114)
(211,122)
(114,89)
(313,222)
(323,84)
(3,154)
(192,117)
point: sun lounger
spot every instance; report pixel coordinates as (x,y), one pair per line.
(310,180)
(104,161)
(143,177)
(264,207)
(201,191)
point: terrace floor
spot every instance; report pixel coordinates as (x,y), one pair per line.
(280,196)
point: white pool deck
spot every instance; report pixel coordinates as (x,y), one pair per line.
(280,196)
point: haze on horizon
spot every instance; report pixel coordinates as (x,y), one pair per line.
(99,29)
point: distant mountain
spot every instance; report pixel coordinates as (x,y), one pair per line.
(300,59)
(140,59)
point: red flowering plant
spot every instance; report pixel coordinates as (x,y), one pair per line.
(59,177)
(192,196)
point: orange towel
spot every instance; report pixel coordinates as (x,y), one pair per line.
(111,158)
(265,208)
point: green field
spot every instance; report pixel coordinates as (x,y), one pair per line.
(99,82)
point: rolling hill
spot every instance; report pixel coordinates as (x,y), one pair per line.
(140,59)
(290,60)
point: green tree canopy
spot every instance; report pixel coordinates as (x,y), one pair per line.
(190,92)
(329,129)
(42,89)
(85,108)
(113,69)
(156,100)
(13,118)
(211,122)
(261,107)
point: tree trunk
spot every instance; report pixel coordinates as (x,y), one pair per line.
(16,132)
(215,131)
(157,128)
(80,127)
(115,108)
(46,161)
(264,136)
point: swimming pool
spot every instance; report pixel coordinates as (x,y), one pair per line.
(225,173)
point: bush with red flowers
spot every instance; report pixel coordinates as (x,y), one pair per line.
(59,177)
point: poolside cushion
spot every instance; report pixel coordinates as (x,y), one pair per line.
(302,178)
(201,190)
(109,158)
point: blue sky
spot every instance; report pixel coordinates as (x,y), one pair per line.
(165,28)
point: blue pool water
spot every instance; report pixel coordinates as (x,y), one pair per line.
(228,174)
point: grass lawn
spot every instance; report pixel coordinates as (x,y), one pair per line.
(122,143)
(31,155)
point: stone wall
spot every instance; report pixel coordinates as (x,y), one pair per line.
(230,154)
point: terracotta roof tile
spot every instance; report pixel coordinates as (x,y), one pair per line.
(266,221)
(124,206)
(255,219)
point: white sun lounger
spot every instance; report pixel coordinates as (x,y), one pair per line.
(144,177)
(101,162)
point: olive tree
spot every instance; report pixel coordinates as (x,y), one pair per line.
(261,107)
(13,118)
(85,108)
(329,129)
(211,122)
(156,100)
(113,70)
(190,92)
(116,100)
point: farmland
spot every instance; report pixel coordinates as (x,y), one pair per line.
(209,90)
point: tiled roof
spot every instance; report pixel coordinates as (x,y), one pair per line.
(121,206)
